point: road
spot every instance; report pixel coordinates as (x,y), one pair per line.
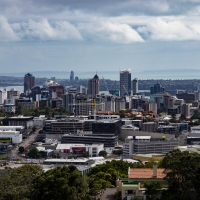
(182,138)
(25,143)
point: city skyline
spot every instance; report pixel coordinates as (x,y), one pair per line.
(92,35)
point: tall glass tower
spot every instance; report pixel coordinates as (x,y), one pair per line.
(72,76)
(125,82)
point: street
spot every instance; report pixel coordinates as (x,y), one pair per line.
(25,143)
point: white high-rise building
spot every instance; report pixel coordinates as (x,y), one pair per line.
(3,95)
(81,89)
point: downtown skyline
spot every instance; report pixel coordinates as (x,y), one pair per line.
(100,36)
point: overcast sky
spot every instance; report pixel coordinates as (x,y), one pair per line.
(102,35)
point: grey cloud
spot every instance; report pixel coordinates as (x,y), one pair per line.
(6,32)
(16,9)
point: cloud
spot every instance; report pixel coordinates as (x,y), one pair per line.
(43,30)
(6,32)
(110,31)
(18,9)
(124,30)
(175,30)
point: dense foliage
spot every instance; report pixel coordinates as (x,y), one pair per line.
(30,182)
(183,174)
(49,112)
(16,184)
(119,166)
(63,183)
(33,153)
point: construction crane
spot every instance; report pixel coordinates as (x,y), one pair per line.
(125,89)
(105,84)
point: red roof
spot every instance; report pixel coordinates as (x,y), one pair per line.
(145,173)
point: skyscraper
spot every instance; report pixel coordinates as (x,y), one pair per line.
(157,88)
(29,82)
(93,86)
(125,82)
(72,76)
(135,86)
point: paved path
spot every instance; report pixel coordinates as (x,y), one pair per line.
(109,194)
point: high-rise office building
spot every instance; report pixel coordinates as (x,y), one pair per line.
(93,86)
(157,88)
(125,82)
(72,76)
(135,86)
(29,82)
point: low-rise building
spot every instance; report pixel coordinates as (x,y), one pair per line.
(9,108)
(150,126)
(26,121)
(148,145)
(14,137)
(109,140)
(106,127)
(133,186)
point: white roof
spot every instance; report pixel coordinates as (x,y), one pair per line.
(7,127)
(10,132)
(139,137)
(40,148)
(129,160)
(67,146)
(97,158)
(83,160)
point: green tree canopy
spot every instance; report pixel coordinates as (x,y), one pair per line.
(63,183)
(21,149)
(16,183)
(103,153)
(152,189)
(182,172)
(33,153)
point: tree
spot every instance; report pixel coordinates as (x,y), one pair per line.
(21,149)
(86,154)
(152,189)
(34,129)
(5,121)
(19,109)
(103,153)
(182,117)
(33,153)
(63,183)
(118,152)
(173,115)
(181,170)
(16,184)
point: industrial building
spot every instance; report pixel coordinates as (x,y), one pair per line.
(14,137)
